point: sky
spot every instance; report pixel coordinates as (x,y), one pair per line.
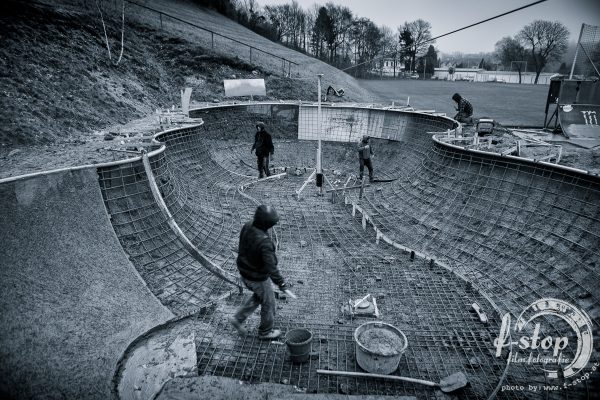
(448,15)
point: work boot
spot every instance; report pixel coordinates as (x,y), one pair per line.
(371,179)
(274,334)
(260,176)
(238,326)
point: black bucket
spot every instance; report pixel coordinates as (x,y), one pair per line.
(299,344)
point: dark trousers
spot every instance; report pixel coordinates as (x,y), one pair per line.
(263,296)
(464,118)
(262,162)
(369,164)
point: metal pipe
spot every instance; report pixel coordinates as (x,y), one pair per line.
(319,123)
(183,239)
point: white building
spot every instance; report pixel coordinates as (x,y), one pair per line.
(481,75)
(386,67)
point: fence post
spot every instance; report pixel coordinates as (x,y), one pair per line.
(289,69)
(250,54)
(161,26)
(212,40)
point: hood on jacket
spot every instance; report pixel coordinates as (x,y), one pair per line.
(261,125)
(265,217)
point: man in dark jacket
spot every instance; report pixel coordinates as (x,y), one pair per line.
(263,144)
(365,153)
(465,109)
(257,264)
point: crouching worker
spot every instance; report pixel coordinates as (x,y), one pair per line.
(365,155)
(465,109)
(257,264)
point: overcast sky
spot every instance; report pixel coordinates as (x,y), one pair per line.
(448,15)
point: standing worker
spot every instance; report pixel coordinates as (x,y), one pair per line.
(465,109)
(263,144)
(365,155)
(257,264)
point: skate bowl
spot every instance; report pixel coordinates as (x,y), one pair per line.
(494,230)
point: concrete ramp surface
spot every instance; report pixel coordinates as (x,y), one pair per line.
(442,229)
(580,120)
(71,301)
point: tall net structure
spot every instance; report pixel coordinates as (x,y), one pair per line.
(587,56)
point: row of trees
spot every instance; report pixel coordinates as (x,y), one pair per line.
(537,44)
(334,34)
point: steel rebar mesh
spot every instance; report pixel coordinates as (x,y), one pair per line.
(489,219)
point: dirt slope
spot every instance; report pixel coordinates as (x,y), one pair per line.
(58,84)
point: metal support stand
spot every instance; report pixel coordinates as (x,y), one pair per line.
(362,188)
(306,182)
(554,116)
(313,177)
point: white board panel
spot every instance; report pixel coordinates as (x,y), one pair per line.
(244,87)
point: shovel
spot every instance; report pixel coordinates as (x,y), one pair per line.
(449,384)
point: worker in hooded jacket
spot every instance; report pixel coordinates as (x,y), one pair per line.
(263,144)
(257,264)
(365,157)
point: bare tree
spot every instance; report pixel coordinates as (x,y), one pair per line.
(341,23)
(322,37)
(248,10)
(508,50)
(420,33)
(311,16)
(406,44)
(247,6)
(389,47)
(546,41)
(366,39)
(278,15)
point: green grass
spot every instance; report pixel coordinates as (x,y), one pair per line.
(509,104)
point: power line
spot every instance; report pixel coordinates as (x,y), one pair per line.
(485,20)
(456,30)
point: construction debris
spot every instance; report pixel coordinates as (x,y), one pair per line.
(365,307)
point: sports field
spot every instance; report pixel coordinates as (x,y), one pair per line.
(509,104)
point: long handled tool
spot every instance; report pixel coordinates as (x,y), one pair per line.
(449,384)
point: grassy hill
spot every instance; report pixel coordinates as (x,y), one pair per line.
(59,85)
